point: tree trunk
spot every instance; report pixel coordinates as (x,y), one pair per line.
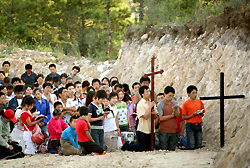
(109,33)
(141,11)
(11,12)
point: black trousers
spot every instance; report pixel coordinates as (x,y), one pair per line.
(89,147)
(11,154)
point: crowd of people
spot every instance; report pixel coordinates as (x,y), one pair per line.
(66,115)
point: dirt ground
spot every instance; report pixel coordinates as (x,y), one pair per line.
(177,159)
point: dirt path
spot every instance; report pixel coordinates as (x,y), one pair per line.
(177,159)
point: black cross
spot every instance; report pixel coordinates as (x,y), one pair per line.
(222,98)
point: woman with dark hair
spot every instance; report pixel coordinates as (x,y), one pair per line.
(122,113)
(43,106)
(106,81)
(89,98)
(85,85)
(8,148)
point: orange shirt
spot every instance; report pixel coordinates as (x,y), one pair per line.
(189,107)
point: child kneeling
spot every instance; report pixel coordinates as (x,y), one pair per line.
(69,142)
(86,143)
(56,126)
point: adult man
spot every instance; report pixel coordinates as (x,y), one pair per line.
(168,112)
(30,76)
(6,69)
(144,82)
(74,72)
(144,114)
(67,109)
(52,68)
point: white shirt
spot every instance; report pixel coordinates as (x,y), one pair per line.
(109,121)
(51,106)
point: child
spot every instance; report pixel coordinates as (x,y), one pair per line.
(111,123)
(68,139)
(96,117)
(28,121)
(193,120)
(56,126)
(168,112)
(86,143)
(8,149)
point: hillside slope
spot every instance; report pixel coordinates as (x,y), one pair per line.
(196,54)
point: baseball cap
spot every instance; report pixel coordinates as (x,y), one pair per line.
(11,115)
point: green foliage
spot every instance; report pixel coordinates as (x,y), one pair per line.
(74,27)
(160,12)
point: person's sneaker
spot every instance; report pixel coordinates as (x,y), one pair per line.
(99,153)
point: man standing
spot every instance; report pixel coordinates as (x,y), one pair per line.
(74,72)
(52,68)
(6,69)
(30,76)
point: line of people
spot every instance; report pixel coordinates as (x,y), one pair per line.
(76,118)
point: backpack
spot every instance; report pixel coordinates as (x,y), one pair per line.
(36,134)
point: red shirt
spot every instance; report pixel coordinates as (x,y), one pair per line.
(179,120)
(81,127)
(24,117)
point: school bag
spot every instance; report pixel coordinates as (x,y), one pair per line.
(36,134)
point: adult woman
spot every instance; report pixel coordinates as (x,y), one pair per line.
(123,116)
(42,105)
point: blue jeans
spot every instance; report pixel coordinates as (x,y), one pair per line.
(98,136)
(194,135)
(168,141)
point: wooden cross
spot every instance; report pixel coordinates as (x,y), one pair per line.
(222,98)
(152,96)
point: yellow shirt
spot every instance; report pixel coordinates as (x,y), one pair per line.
(144,125)
(6,74)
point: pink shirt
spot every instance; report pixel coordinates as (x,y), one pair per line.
(131,110)
(56,127)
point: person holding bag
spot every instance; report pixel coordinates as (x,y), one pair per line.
(29,124)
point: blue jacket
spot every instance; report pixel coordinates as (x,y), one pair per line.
(70,135)
(13,103)
(44,109)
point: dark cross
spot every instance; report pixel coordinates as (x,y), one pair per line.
(222,98)
(152,96)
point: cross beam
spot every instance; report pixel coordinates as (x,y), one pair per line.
(152,97)
(222,97)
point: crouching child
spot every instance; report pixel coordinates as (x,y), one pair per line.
(69,141)
(56,126)
(86,143)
